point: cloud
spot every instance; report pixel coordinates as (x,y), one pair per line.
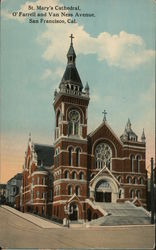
(48,73)
(122,50)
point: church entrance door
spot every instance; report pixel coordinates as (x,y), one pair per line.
(103,197)
(74,214)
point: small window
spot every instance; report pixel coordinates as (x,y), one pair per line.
(57,190)
(37,194)
(77,190)
(138,163)
(129,179)
(81,176)
(77,157)
(135,180)
(74,175)
(138,193)
(132,163)
(69,190)
(132,194)
(70,156)
(43,195)
(66,175)
(43,181)
(119,179)
(141,181)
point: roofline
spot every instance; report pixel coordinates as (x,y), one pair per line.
(104,122)
(45,145)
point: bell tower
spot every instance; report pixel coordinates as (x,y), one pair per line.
(70,143)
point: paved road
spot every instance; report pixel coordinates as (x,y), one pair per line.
(16,232)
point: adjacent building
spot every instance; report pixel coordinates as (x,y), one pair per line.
(13,188)
(3,193)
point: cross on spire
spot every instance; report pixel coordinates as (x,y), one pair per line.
(105,113)
(71,37)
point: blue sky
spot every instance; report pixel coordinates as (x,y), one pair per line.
(115,55)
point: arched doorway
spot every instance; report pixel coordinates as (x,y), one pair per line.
(73,212)
(103,191)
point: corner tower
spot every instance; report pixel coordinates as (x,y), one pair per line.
(70,159)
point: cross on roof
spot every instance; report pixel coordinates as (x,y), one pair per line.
(105,113)
(71,37)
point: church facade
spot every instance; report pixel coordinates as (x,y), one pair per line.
(81,171)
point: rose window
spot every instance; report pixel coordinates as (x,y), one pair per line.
(103,156)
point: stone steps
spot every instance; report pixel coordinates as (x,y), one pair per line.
(121,214)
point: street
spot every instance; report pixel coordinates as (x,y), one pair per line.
(16,232)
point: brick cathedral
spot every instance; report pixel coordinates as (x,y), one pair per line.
(81,171)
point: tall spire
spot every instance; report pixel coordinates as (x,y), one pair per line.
(128,133)
(128,125)
(71,82)
(143,138)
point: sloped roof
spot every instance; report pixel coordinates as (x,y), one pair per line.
(17,177)
(71,74)
(104,123)
(45,154)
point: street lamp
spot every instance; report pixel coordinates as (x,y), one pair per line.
(68,210)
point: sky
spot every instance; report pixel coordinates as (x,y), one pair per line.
(115,55)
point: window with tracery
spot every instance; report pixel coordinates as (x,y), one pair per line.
(74,120)
(103,156)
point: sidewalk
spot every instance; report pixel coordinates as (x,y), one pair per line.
(43,223)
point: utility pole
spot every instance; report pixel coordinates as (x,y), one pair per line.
(152,193)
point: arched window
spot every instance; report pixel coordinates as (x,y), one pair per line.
(43,181)
(132,193)
(129,179)
(77,157)
(119,179)
(73,124)
(135,180)
(66,174)
(57,190)
(77,190)
(138,158)
(138,193)
(141,181)
(103,156)
(81,176)
(58,118)
(132,163)
(70,150)
(69,190)
(37,194)
(74,175)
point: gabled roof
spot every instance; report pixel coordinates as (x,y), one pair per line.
(104,123)
(105,169)
(45,154)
